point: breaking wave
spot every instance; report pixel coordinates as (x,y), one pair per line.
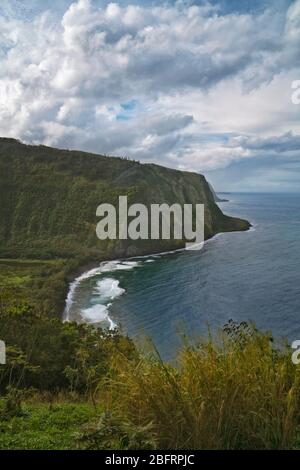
(106,290)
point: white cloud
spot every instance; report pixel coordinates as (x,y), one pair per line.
(180,85)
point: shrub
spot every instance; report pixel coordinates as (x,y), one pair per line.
(236,392)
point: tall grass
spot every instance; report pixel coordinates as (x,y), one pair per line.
(236,392)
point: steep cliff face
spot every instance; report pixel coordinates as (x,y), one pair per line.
(216,197)
(49,199)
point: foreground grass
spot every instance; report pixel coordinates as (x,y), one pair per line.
(236,392)
(43,427)
(239,390)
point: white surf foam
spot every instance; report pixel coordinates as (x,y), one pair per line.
(106,289)
(109,289)
(98,314)
(105,267)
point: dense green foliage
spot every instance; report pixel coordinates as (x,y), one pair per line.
(71,386)
(47,355)
(68,386)
(48,201)
(238,391)
(40,426)
(42,283)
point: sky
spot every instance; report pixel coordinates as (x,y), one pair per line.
(201,86)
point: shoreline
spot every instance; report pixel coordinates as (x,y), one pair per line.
(94,269)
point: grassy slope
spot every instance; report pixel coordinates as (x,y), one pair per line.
(48,204)
(41,426)
(240,392)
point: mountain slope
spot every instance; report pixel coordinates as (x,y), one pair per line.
(48,201)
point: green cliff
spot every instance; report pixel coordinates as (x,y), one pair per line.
(48,201)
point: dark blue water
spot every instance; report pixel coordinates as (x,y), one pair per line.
(253,275)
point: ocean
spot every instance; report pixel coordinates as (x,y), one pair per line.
(243,276)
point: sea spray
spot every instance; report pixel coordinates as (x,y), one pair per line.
(106,289)
(91,314)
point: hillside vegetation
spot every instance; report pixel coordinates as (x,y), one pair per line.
(48,210)
(67,386)
(70,386)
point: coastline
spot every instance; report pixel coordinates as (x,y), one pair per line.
(96,268)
